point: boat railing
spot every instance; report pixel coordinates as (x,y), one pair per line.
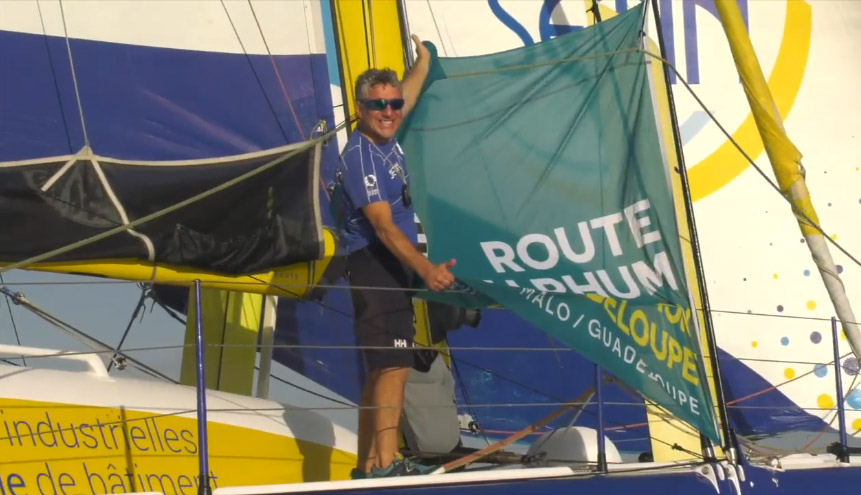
(842,450)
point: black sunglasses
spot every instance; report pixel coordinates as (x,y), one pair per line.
(380,104)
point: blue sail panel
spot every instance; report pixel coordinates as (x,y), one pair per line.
(153,103)
(162,122)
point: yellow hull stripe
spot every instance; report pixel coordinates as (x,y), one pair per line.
(69,448)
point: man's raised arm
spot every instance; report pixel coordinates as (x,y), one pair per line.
(415,78)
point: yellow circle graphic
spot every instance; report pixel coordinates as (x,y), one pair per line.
(726,163)
(825,401)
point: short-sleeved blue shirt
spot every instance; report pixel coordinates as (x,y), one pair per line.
(370,173)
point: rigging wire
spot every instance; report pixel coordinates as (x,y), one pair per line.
(60,324)
(275,67)
(56,79)
(74,77)
(12,318)
(117,357)
(494,372)
(256,75)
(146,292)
(96,345)
(451,356)
(339,312)
(468,402)
(534,404)
(455,359)
(283,286)
(154,416)
(609,428)
(438,32)
(152,294)
(306,390)
(732,403)
(830,422)
(798,213)
(699,101)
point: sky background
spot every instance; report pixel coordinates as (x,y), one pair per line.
(103,308)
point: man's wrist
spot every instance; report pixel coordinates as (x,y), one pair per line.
(424,268)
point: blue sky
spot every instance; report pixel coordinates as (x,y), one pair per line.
(100,307)
(103,308)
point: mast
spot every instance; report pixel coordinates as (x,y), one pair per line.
(403,22)
(785,160)
(362,42)
(697,254)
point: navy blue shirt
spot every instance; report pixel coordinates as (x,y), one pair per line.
(370,173)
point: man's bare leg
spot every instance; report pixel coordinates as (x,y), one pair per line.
(388,399)
(367,451)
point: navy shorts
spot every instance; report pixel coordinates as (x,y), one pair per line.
(384,318)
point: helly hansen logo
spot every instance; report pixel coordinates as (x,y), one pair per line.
(400,343)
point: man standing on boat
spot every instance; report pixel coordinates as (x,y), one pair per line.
(382,258)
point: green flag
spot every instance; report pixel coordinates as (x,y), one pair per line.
(541,171)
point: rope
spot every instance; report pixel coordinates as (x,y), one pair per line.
(165,211)
(56,80)
(275,68)
(74,77)
(256,76)
(438,32)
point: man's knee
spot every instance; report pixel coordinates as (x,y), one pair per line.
(390,374)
